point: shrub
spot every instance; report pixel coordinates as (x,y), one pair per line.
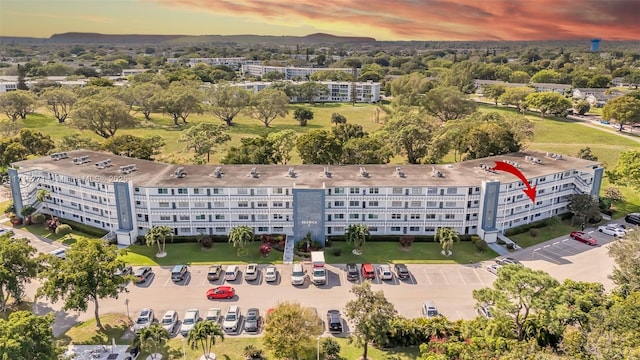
(10,209)
(481,245)
(330,348)
(27,210)
(533,232)
(265,249)
(206,242)
(511,246)
(501,242)
(303,254)
(278,247)
(406,240)
(337,252)
(52,224)
(38,218)
(63,229)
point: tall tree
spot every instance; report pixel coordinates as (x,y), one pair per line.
(239,236)
(86,275)
(36,142)
(408,89)
(626,253)
(158,235)
(548,102)
(319,147)
(582,107)
(585,153)
(42,195)
(446,236)
(311,90)
(283,142)
(303,115)
(623,109)
(76,141)
(204,335)
(135,146)
(371,314)
(516,96)
(143,98)
(153,337)
(494,91)
(583,206)
(627,169)
(204,137)
(17,267)
(290,331)
(518,292)
(101,114)
(356,235)
(268,104)
(60,101)
(346,132)
(17,104)
(180,100)
(366,150)
(547,76)
(254,150)
(337,119)
(447,103)
(409,133)
(26,336)
(227,101)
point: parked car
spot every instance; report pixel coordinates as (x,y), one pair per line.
(231,273)
(124,271)
(298,274)
(368,272)
(191,318)
(583,237)
(231,319)
(485,310)
(252,320)
(143,274)
(633,218)
(169,321)
(334,321)
(61,253)
(270,273)
(507,261)
(610,230)
(179,273)
(252,272)
(352,272)
(402,272)
(214,272)
(221,292)
(605,122)
(384,272)
(429,309)
(7,232)
(494,269)
(144,320)
(213,314)
(319,276)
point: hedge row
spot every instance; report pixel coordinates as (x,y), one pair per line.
(533,225)
(85,229)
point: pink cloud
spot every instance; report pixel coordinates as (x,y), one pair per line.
(446,19)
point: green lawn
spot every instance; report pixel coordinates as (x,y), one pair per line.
(373,252)
(40,230)
(546,233)
(87,333)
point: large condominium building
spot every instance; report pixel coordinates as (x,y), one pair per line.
(233,62)
(128,196)
(339,91)
(289,72)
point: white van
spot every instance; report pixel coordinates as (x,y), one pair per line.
(298,274)
(231,273)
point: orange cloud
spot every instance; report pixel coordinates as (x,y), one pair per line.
(444,19)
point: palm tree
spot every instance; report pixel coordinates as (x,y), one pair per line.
(203,336)
(42,195)
(239,236)
(251,352)
(158,235)
(446,236)
(155,336)
(357,235)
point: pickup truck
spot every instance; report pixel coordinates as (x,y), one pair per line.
(214,273)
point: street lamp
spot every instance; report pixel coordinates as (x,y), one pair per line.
(184,351)
(318,349)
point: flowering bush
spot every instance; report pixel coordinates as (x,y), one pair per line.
(265,249)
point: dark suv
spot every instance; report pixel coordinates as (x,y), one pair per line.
(402,272)
(352,272)
(334,321)
(633,218)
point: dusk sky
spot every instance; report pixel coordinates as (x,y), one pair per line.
(383,20)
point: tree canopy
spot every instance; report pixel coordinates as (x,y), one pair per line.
(290,331)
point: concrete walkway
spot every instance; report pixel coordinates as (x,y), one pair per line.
(499,249)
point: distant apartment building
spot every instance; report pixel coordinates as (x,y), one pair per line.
(339,91)
(289,72)
(233,62)
(128,196)
(8,86)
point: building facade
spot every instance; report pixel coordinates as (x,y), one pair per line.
(128,196)
(339,91)
(289,72)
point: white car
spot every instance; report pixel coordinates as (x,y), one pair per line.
(270,274)
(144,320)
(61,253)
(494,269)
(384,272)
(232,319)
(625,228)
(213,314)
(610,230)
(251,273)
(169,321)
(191,318)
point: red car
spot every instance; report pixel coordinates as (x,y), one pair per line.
(583,237)
(221,292)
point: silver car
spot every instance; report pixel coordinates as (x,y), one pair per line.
(252,272)
(169,321)
(231,319)
(494,269)
(191,318)
(270,273)
(144,320)
(213,314)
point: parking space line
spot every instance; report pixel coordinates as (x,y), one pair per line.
(459,315)
(565,240)
(475,271)
(556,243)
(464,282)
(167,282)
(546,246)
(444,277)
(548,257)
(427,275)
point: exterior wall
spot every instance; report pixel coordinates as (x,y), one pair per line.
(8,86)
(366,92)
(308,214)
(289,73)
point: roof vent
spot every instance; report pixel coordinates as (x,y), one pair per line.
(103,164)
(217,172)
(399,173)
(128,169)
(59,156)
(81,160)
(363,172)
(180,173)
(327,173)
(436,173)
(254,173)
(291,173)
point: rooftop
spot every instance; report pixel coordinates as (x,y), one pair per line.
(155,174)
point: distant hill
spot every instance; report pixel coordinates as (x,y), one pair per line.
(79,38)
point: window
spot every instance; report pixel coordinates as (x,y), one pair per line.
(414,228)
(416,203)
(432,204)
(261,204)
(278,204)
(261,191)
(164,205)
(432,191)
(243,204)
(354,216)
(396,191)
(373,228)
(338,203)
(373,204)
(338,216)
(354,203)
(338,191)
(429,229)
(165,218)
(95,209)
(416,191)
(263,228)
(221,229)
(94,197)
(452,191)
(277,216)
(395,228)
(372,216)
(163,191)
(396,204)
(72,192)
(450,204)
(201,217)
(243,191)
(541,191)
(219,217)
(198,191)
(183,204)
(374,191)
(396,216)
(184,217)
(218,204)
(277,190)
(354,190)
(415,216)
(217,191)
(243,217)
(449,216)
(278,229)
(262,217)
(182,191)
(199,204)
(201,230)
(185,230)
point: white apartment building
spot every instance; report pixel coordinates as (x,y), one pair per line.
(339,91)
(234,62)
(289,72)
(128,196)
(8,86)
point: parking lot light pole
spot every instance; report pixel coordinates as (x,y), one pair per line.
(318,350)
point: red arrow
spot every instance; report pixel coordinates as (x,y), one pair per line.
(503,166)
